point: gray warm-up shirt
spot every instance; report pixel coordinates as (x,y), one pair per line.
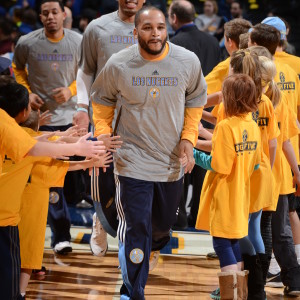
(50,65)
(102,38)
(153,95)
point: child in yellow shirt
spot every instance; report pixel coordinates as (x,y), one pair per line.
(17,144)
(225,198)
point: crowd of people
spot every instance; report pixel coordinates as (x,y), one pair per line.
(164,112)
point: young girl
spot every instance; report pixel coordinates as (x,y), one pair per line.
(225,198)
(243,61)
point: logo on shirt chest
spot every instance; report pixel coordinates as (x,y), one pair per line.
(154,81)
(245,145)
(285,86)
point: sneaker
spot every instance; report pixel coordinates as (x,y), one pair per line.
(216,294)
(98,241)
(291,291)
(63,247)
(274,280)
(154,256)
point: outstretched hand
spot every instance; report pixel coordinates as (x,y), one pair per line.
(112,143)
(88,148)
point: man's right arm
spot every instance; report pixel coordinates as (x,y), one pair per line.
(86,75)
(84,83)
(19,63)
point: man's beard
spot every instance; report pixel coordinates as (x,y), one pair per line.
(145,46)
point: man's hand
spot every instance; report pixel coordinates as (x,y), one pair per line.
(62,94)
(81,119)
(35,101)
(186,149)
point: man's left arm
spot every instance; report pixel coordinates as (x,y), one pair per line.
(196,96)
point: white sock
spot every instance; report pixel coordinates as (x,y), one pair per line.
(297,250)
(274,267)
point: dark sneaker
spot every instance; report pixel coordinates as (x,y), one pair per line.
(123,290)
(291,291)
(215,294)
(274,280)
(211,255)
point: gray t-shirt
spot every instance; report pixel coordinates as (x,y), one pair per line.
(50,65)
(153,95)
(102,38)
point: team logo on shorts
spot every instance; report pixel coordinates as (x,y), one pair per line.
(136,256)
(154,93)
(53,197)
(55,66)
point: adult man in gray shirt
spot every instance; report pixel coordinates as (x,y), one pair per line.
(51,55)
(162,91)
(102,38)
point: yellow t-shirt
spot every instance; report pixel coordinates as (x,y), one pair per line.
(262,179)
(225,196)
(14,142)
(12,184)
(215,78)
(291,60)
(290,132)
(44,172)
(288,82)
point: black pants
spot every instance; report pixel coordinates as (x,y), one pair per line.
(283,244)
(10,263)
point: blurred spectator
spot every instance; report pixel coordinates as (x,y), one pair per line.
(160,4)
(29,19)
(236,10)
(287,47)
(87,16)
(6,30)
(26,3)
(68,21)
(210,22)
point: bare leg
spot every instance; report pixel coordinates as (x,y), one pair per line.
(24,279)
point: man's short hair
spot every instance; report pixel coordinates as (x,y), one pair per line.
(14,98)
(234,28)
(58,1)
(141,11)
(266,36)
(184,13)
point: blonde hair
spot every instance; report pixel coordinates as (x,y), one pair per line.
(215,5)
(268,72)
(245,62)
(244,37)
(261,51)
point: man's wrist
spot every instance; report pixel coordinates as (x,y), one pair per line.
(83,109)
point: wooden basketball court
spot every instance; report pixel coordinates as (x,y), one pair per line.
(80,275)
